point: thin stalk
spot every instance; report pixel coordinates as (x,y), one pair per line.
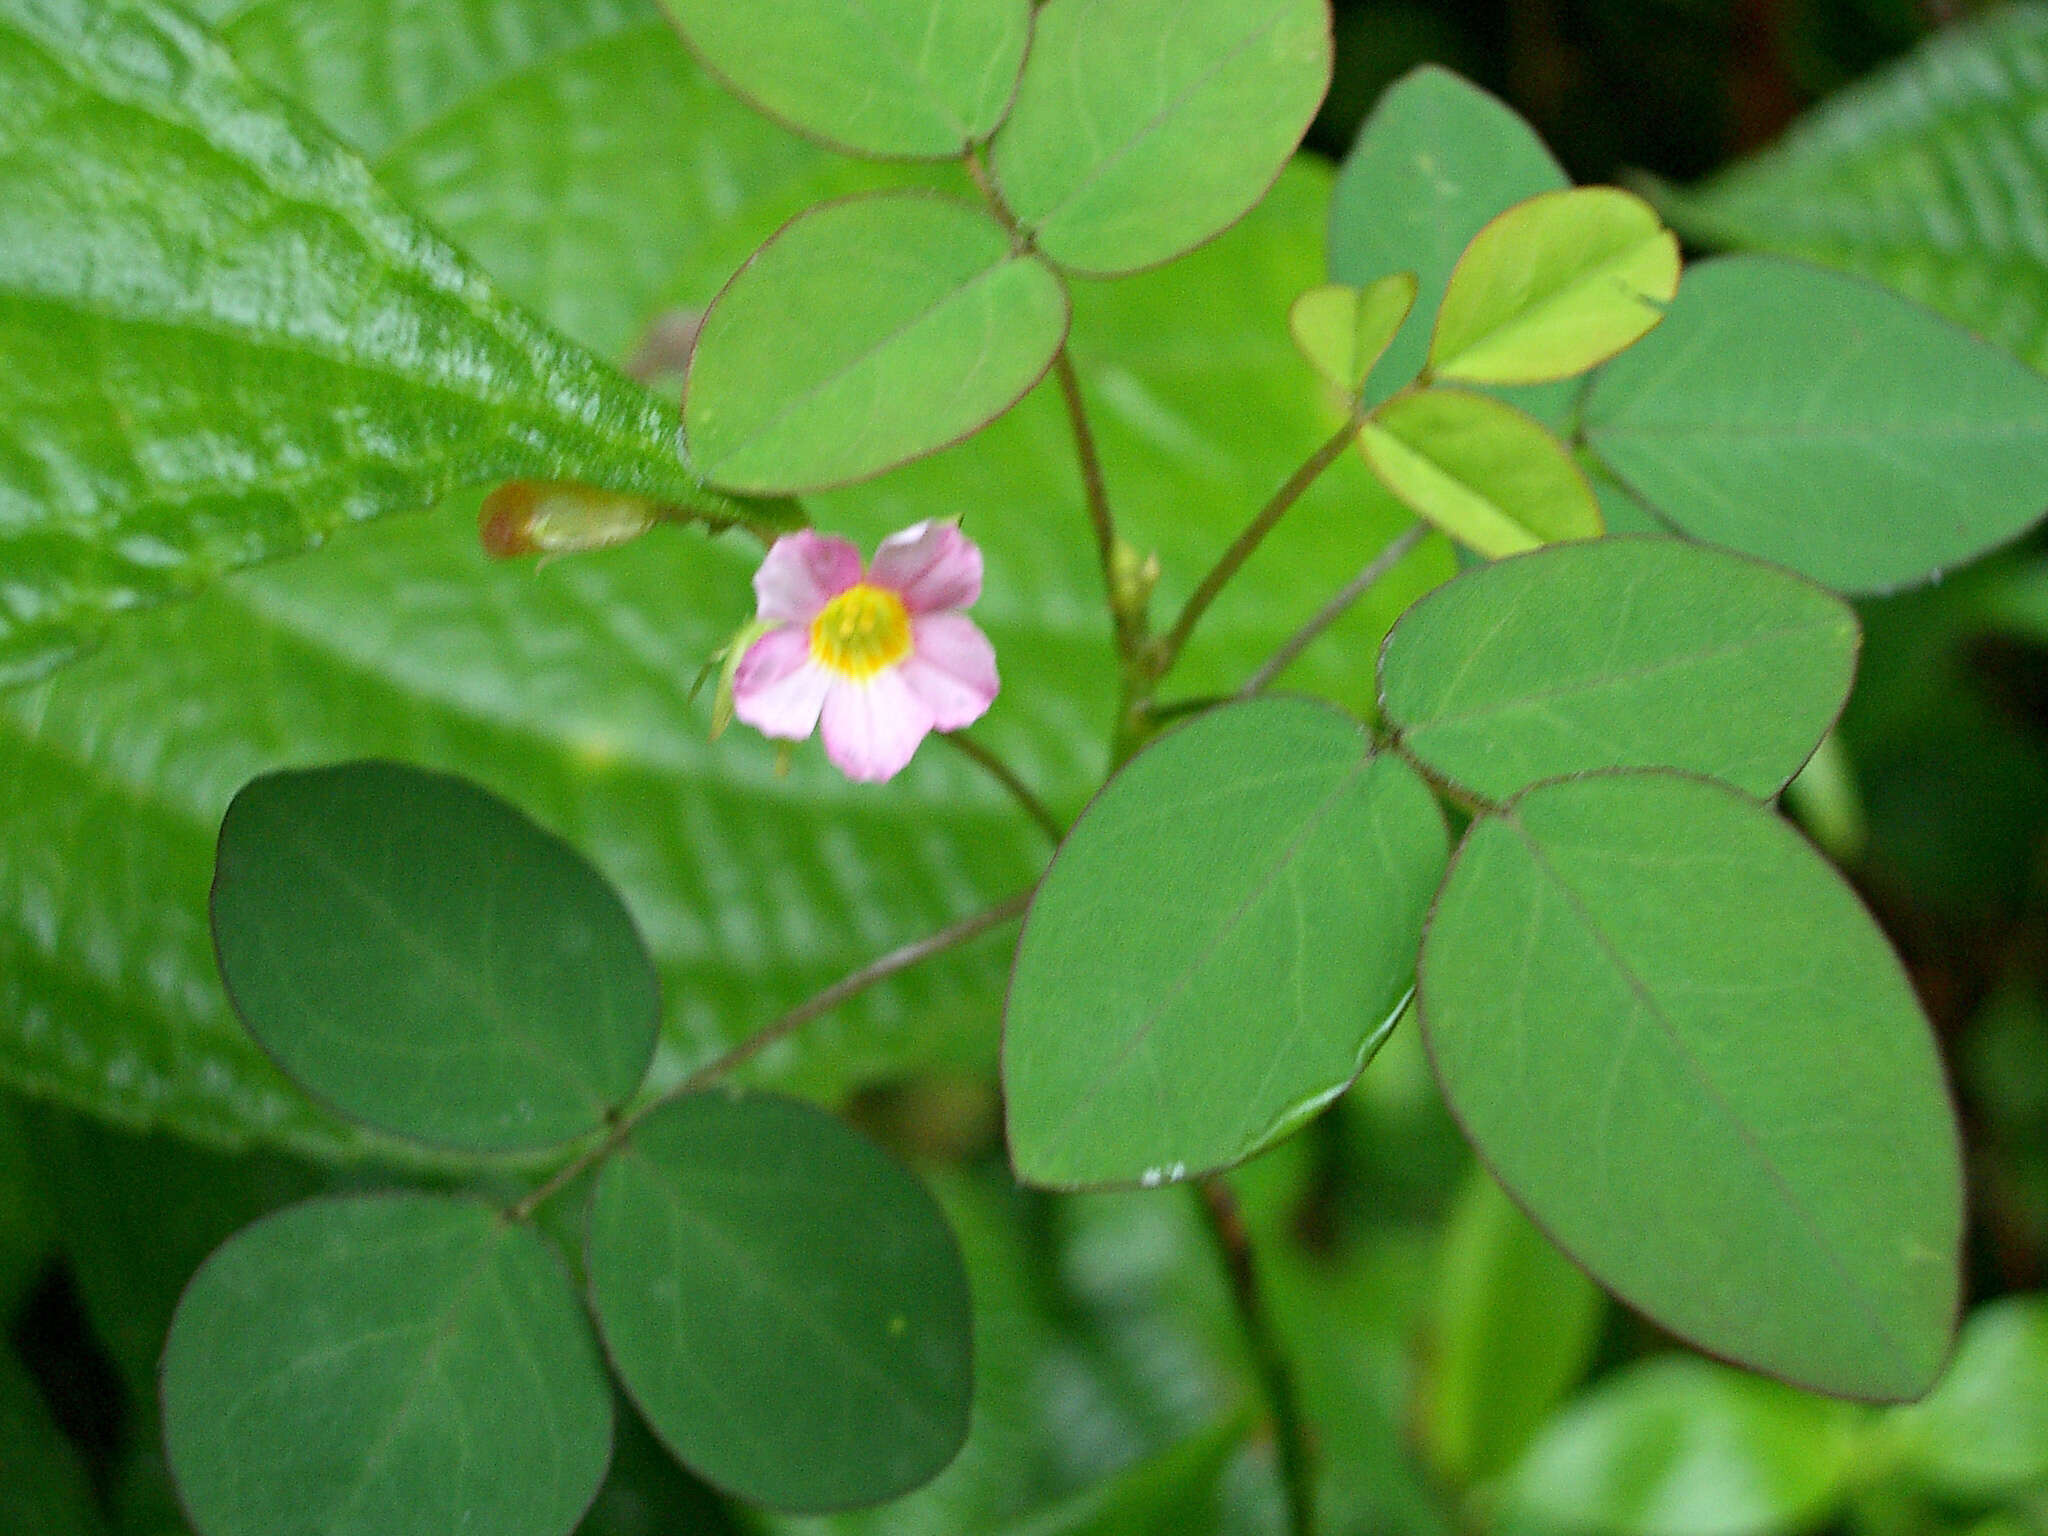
(1247,542)
(1096,493)
(1276,1376)
(1335,609)
(1006,776)
(824,1002)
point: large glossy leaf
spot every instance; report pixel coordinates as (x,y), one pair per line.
(1824,424)
(1671,971)
(1983,1433)
(1514,1328)
(1929,176)
(223,341)
(389,1365)
(1486,474)
(866,333)
(919,78)
(1143,127)
(1224,939)
(1553,286)
(573,147)
(420,955)
(783,1301)
(1436,162)
(564,691)
(1619,653)
(1683,1447)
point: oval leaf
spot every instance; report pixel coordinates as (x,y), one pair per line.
(916,79)
(1915,176)
(386,1365)
(1826,425)
(866,333)
(1221,943)
(1438,159)
(1487,475)
(1983,1433)
(1619,653)
(1553,286)
(221,341)
(1762,1156)
(1343,331)
(784,1302)
(1682,1447)
(418,954)
(1143,127)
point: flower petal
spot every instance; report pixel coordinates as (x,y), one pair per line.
(778,689)
(931,565)
(803,572)
(873,728)
(952,667)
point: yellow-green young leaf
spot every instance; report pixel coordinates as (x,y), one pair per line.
(1665,967)
(1224,939)
(1343,331)
(221,341)
(384,1365)
(1487,475)
(867,333)
(1143,127)
(916,79)
(1553,286)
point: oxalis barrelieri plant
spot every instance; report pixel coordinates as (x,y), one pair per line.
(1543,834)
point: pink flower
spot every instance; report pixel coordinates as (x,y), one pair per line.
(883,655)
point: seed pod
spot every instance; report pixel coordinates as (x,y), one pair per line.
(552,517)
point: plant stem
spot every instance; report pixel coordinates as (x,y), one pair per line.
(1006,776)
(1254,535)
(1096,493)
(840,991)
(1276,1376)
(1335,609)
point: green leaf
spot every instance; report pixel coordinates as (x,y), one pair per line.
(1514,1329)
(1437,161)
(1983,1433)
(783,1301)
(1928,176)
(924,79)
(1489,476)
(418,954)
(27,1225)
(564,689)
(1553,286)
(867,333)
(384,1365)
(1343,331)
(1619,653)
(1676,1446)
(1144,127)
(1824,424)
(1223,941)
(1692,968)
(262,349)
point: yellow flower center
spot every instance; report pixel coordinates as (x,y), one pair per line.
(862,631)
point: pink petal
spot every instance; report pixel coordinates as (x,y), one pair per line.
(931,565)
(873,728)
(802,573)
(952,668)
(777,688)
